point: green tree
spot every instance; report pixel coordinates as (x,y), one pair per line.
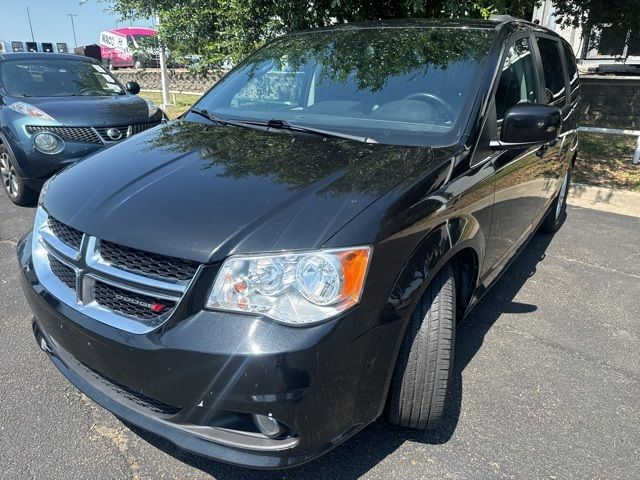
(230,29)
(621,16)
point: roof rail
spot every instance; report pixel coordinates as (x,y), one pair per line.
(502,18)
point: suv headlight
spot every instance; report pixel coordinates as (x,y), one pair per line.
(296,288)
(153,108)
(30,110)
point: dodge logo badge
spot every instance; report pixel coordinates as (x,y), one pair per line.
(156,307)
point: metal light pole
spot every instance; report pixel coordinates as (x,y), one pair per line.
(73,27)
(30,26)
(164,77)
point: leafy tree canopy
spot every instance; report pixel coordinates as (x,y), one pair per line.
(621,14)
(221,30)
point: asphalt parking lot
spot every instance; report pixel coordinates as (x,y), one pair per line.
(546,382)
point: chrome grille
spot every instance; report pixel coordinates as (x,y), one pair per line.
(70,134)
(130,303)
(145,263)
(64,273)
(66,234)
(125,293)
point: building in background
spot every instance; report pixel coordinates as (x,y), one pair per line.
(610,52)
(18,46)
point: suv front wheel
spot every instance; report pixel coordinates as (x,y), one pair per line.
(423,369)
(17,191)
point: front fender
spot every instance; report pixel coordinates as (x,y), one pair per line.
(435,250)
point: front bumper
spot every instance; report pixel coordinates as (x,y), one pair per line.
(196,382)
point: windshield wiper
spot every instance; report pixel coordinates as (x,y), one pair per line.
(285,125)
(278,124)
(217,119)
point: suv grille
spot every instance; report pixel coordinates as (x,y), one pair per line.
(151,264)
(91,134)
(70,134)
(135,128)
(65,274)
(66,234)
(130,303)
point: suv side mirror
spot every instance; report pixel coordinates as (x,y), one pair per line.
(133,87)
(529,124)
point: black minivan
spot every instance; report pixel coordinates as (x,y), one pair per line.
(262,278)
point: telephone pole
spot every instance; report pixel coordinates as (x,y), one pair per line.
(73,27)
(164,76)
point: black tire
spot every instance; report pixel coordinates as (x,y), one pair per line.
(423,369)
(558,209)
(13,185)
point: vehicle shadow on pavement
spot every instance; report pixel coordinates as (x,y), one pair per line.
(362,452)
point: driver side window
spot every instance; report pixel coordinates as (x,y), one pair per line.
(518,78)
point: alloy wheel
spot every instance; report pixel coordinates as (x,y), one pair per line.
(8,175)
(562,195)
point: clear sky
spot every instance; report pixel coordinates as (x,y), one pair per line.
(51,23)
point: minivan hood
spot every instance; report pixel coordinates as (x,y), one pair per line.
(202,192)
(88,111)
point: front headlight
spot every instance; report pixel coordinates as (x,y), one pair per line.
(30,110)
(153,108)
(297,288)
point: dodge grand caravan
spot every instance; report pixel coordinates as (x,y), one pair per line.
(260,279)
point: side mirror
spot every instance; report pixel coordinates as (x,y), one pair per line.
(133,87)
(529,124)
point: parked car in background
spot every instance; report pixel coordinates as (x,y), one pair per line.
(128,47)
(56,109)
(264,277)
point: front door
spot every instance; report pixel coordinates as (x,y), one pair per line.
(518,173)
(555,88)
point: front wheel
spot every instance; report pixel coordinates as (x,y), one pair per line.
(558,210)
(16,190)
(423,369)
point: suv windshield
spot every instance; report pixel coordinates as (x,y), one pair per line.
(53,77)
(404,86)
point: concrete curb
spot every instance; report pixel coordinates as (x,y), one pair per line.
(606,199)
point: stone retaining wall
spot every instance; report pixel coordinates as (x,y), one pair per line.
(611,102)
(179,81)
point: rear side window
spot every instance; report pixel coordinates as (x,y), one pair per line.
(518,78)
(553,72)
(572,70)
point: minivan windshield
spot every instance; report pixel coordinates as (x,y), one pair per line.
(55,77)
(403,86)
